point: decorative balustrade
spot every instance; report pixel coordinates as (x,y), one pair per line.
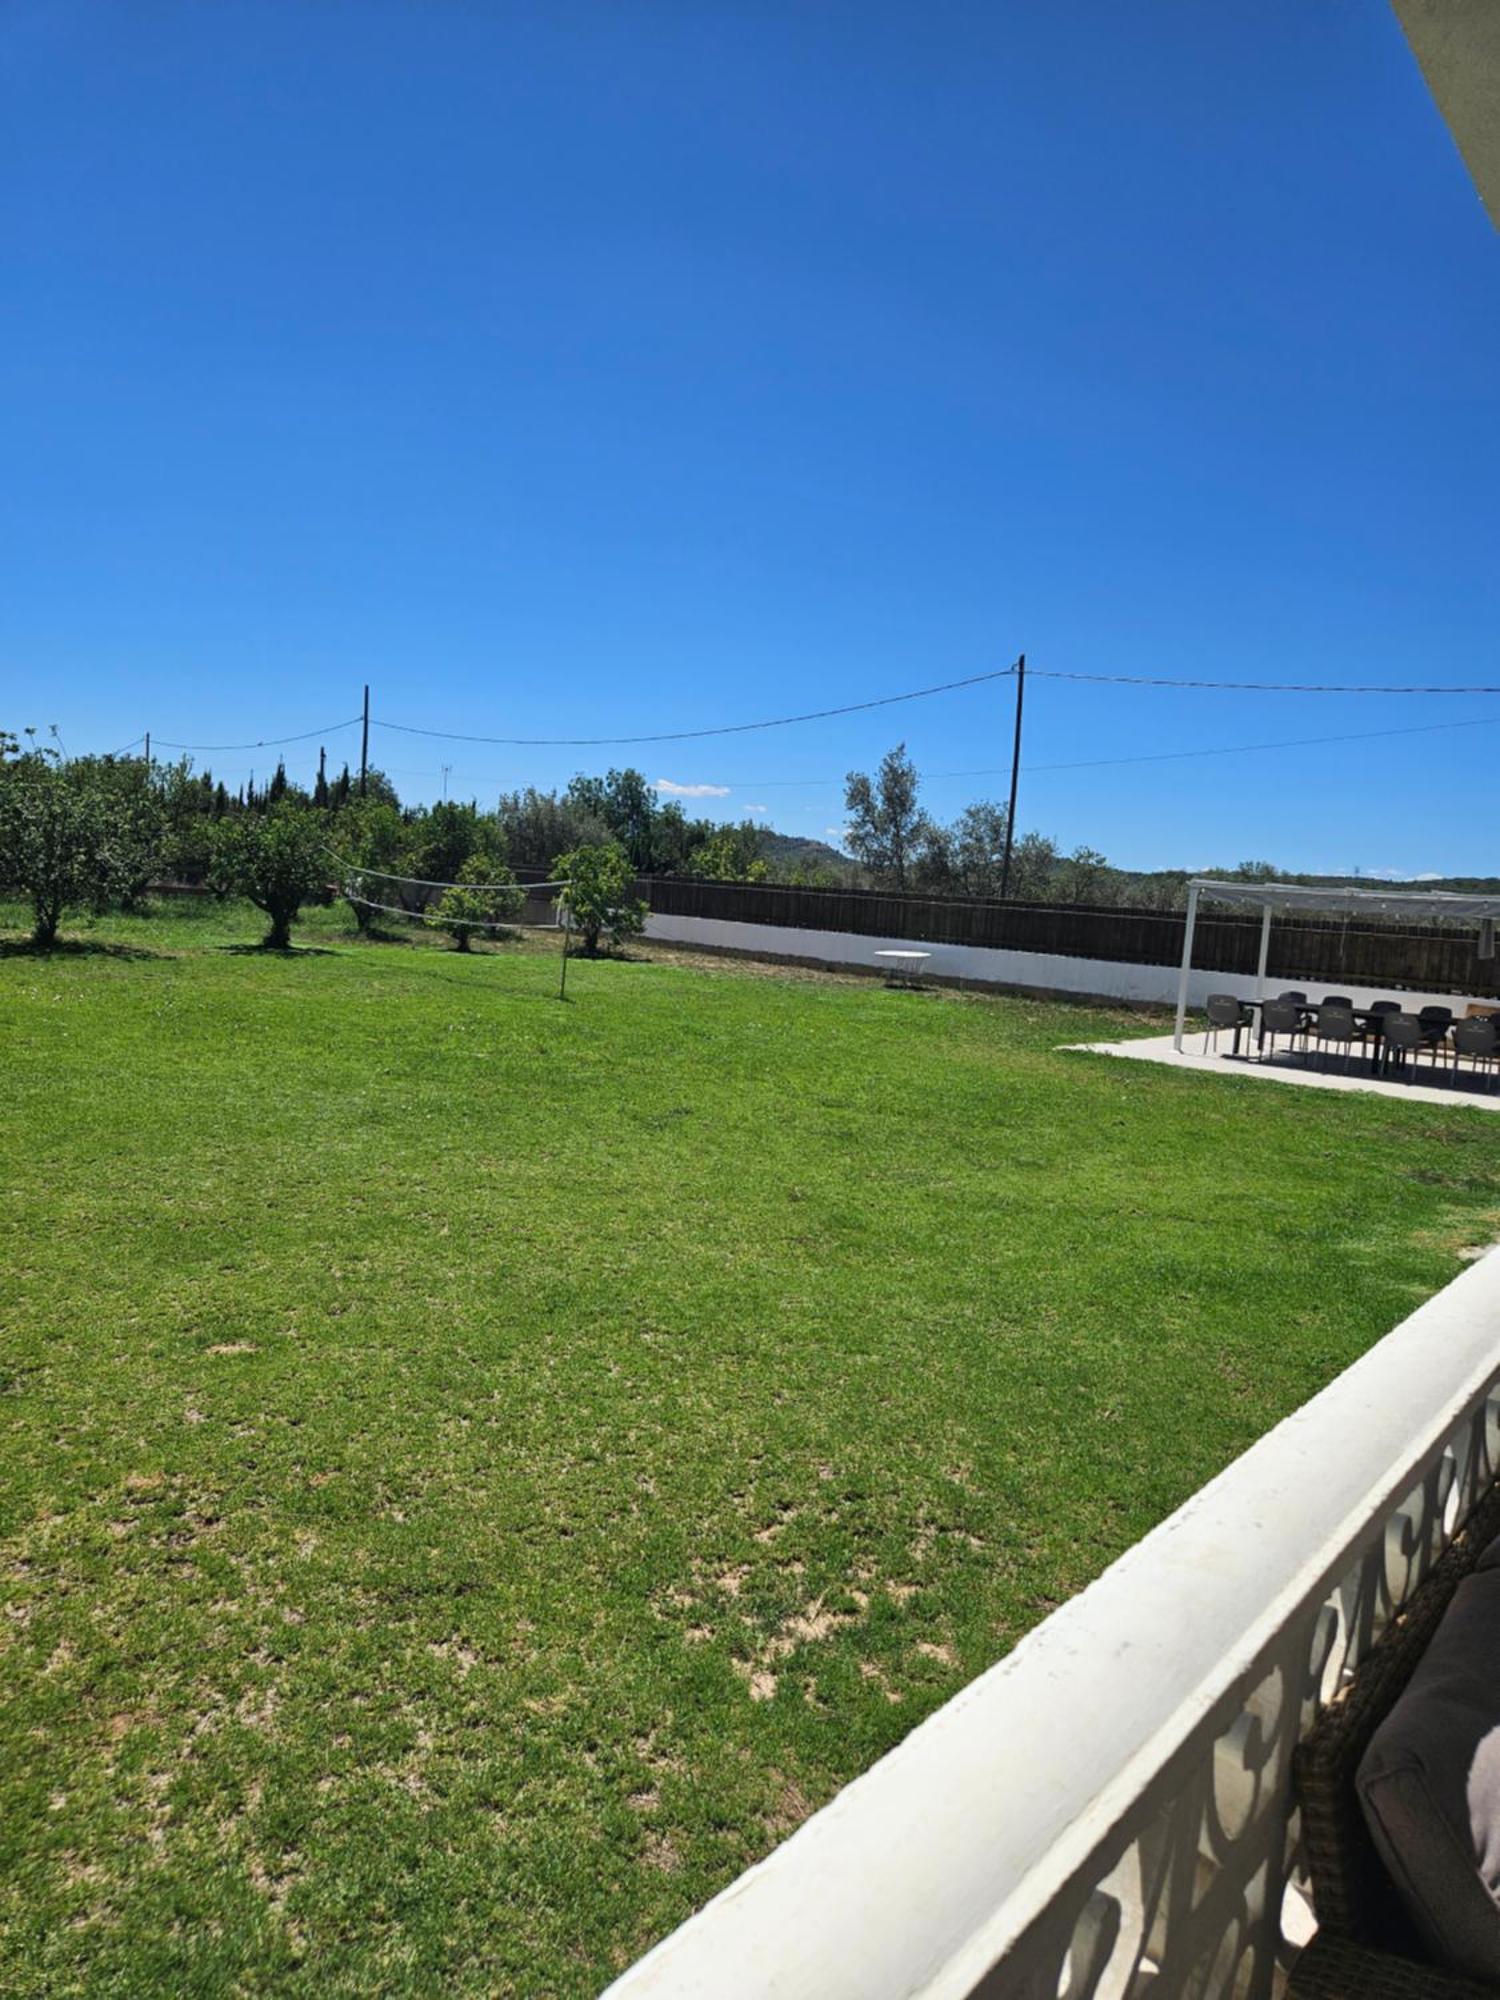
(1108,1812)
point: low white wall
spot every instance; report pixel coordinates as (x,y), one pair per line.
(1090,978)
(1105,1813)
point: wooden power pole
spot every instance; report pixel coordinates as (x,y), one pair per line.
(1015,779)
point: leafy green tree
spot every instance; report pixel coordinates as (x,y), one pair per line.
(480,899)
(442,838)
(1084,876)
(885,826)
(730,854)
(278,860)
(597,901)
(137,837)
(627,806)
(65,838)
(372,836)
(534,826)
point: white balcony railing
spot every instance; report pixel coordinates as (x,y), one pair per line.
(1108,1812)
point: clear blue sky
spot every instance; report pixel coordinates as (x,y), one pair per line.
(571,370)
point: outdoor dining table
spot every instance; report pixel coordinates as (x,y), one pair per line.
(1369,1018)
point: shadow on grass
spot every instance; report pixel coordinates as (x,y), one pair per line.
(277,951)
(76,948)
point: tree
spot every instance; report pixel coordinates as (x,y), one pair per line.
(442,839)
(886,826)
(277,859)
(1083,877)
(480,899)
(730,854)
(596,901)
(1033,864)
(534,826)
(138,824)
(372,836)
(64,838)
(627,806)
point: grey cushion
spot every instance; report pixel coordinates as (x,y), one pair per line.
(1429,1784)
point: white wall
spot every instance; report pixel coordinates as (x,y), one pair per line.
(1107,1808)
(1092,978)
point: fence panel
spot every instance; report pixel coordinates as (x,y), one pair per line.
(1435,957)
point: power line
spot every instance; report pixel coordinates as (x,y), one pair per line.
(1150,757)
(263,742)
(993,770)
(1240,749)
(1250,687)
(691,735)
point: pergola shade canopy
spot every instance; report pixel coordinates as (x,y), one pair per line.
(1420,905)
(1296,898)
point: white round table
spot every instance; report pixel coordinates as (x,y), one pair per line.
(904,968)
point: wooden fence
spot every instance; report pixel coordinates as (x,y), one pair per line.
(1431,958)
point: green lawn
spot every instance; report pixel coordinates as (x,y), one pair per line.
(477,1471)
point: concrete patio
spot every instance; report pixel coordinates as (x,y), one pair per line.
(1478,1090)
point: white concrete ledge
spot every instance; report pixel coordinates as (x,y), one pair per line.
(1108,1806)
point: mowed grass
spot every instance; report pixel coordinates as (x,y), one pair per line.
(477,1471)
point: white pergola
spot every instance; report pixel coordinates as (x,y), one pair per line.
(1292,898)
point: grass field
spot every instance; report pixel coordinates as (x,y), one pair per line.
(477,1471)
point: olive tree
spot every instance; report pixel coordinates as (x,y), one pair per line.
(596,901)
(886,827)
(277,859)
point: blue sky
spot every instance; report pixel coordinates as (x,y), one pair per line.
(578,370)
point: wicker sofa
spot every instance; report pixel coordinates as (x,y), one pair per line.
(1365,1948)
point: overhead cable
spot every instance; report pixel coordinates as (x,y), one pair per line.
(690,735)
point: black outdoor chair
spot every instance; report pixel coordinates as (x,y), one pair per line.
(1382,1011)
(1336,1028)
(1224,1011)
(1279,1017)
(1337,1000)
(1435,1023)
(1475,1040)
(1294,993)
(1401,1037)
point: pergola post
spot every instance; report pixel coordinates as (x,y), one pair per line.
(1187,963)
(1265,952)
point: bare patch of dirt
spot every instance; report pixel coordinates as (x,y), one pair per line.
(943,1653)
(659,1852)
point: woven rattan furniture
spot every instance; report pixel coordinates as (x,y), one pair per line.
(1366,1948)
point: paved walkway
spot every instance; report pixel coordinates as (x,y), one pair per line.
(1478,1091)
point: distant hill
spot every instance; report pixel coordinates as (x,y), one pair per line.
(784,852)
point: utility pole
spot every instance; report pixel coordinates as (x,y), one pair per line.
(1015,778)
(364,744)
(447,768)
(148,750)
